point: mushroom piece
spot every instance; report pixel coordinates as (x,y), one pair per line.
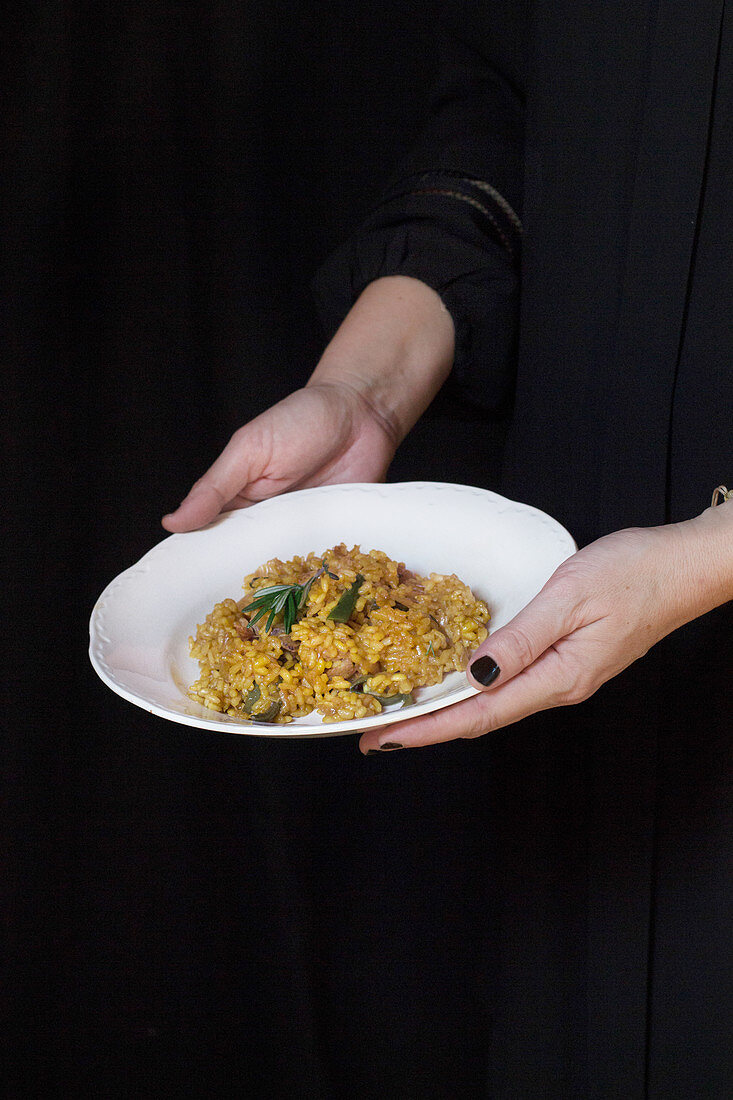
(244,630)
(343,667)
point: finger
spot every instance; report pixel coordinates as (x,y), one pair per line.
(551,615)
(238,464)
(202,504)
(538,688)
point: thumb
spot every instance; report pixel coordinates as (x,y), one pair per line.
(228,476)
(517,645)
(202,504)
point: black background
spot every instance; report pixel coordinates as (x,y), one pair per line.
(183,911)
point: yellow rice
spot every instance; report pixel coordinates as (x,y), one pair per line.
(405,632)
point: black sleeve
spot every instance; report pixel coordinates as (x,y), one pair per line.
(451,215)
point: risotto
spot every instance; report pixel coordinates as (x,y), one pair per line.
(342,633)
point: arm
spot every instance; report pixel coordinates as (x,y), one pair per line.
(450,215)
(380,371)
(439,239)
(395,349)
(600,611)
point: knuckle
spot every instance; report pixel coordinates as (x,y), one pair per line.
(578,690)
(482,722)
(567,697)
(210,485)
(563,584)
(472,734)
(568,597)
(524,649)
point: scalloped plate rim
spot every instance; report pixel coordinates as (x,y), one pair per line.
(226,724)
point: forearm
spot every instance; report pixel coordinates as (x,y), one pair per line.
(395,348)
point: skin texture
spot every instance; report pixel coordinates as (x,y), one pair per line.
(600,611)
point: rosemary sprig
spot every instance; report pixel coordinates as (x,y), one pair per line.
(276,598)
(286,598)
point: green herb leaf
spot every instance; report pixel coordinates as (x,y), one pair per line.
(266,595)
(285,598)
(258,615)
(289,599)
(344,609)
(280,600)
(290,611)
(306,589)
(253,696)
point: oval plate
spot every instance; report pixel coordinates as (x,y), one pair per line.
(141,623)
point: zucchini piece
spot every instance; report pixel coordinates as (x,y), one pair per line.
(389,700)
(270,714)
(248,701)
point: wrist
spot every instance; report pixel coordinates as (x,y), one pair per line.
(708,559)
(395,349)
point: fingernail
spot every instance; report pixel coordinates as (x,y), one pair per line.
(389,745)
(372,752)
(485,670)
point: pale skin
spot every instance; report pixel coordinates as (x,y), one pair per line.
(600,611)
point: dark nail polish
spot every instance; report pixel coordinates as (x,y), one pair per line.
(390,745)
(485,670)
(372,752)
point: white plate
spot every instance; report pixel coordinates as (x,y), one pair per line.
(140,625)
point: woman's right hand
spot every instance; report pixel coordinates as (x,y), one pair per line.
(381,370)
(325,433)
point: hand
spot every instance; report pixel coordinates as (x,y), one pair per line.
(324,433)
(600,611)
(378,374)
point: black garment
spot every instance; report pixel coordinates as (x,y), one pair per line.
(607,128)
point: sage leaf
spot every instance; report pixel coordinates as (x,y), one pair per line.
(248,701)
(344,609)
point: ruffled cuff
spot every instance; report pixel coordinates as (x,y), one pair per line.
(461,238)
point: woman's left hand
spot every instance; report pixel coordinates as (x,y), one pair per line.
(601,610)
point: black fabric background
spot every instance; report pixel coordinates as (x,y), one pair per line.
(183,912)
